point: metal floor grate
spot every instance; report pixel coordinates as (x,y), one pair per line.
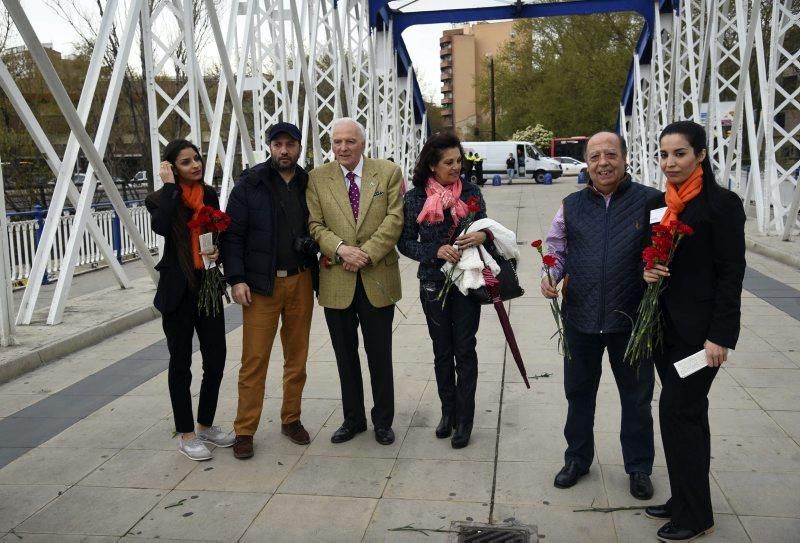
(472,532)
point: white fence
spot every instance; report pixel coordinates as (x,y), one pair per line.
(22,241)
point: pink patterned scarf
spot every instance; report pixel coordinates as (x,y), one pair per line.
(440,198)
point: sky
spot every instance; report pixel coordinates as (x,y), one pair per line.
(422,41)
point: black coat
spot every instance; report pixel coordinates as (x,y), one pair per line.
(249,246)
(168,218)
(703,293)
(421,242)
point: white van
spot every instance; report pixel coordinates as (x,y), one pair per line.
(530,161)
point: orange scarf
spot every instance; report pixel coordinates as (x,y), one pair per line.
(192,195)
(678,196)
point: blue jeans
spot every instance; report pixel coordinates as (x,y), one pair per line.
(510,175)
(635,385)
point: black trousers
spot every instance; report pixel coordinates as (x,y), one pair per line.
(453,329)
(179,327)
(635,386)
(683,415)
(376,329)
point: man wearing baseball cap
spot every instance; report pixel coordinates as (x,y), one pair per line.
(271,264)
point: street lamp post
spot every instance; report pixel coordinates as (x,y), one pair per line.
(491,93)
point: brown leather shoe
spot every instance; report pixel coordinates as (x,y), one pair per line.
(243,447)
(296,433)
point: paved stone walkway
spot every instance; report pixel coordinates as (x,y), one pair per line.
(88,453)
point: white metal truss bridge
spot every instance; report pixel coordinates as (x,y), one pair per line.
(310,61)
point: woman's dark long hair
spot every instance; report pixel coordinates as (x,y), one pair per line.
(180,233)
(695,134)
(174,148)
(431,153)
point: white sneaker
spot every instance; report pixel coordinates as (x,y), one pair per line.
(215,436)
(194,449)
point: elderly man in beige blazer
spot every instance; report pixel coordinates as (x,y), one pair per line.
(356,216)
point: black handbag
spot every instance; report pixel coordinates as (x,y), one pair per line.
(508,279)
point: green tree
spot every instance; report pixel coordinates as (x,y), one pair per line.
(538,135)
(566,73)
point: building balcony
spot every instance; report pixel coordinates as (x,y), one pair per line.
(446,63)
(447,101)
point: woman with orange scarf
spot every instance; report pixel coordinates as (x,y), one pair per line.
(701,309)
(171,208)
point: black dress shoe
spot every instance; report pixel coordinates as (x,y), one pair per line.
(659,512)
(641,487)
(446,426)
(384,436)
(346,432)
(670,532)
(461,438)
(569,475)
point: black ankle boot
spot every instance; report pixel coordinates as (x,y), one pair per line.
(445,426)
(461,437)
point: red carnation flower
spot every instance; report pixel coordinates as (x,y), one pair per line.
(536,244)
(473,204)
(685,230)
(549,260)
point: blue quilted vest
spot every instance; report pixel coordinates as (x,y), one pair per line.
(604,262)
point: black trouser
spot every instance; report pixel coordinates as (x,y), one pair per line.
(453,329)
(179,327)
(376,329)
(635,385)
(683,414)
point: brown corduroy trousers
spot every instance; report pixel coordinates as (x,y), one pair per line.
(291,304)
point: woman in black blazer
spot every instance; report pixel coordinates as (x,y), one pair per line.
(171,208)
(435,212)
(701,309)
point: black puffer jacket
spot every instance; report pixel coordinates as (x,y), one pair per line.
(249,246)
(420,242)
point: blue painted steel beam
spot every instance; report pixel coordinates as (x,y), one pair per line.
(380,13)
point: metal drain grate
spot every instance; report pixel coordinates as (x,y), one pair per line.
(472,532)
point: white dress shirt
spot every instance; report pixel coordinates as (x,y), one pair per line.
(358,170)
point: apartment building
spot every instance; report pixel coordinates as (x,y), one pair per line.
(463,53)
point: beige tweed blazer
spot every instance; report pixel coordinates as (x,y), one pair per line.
(376,233)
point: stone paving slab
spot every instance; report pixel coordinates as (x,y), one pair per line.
(113,474)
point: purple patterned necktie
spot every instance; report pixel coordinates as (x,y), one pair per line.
(354,194)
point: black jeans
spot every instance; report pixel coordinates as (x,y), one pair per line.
(635,385)
(683,414)
(453,329)
(376,329)
(179,327)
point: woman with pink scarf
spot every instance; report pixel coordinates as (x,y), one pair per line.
(435,212)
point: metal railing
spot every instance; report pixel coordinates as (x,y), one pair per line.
(23,238)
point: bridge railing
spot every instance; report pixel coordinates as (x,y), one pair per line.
(23,238)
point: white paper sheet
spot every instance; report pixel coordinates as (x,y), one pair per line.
(206,243)
(691,364)
(657,214)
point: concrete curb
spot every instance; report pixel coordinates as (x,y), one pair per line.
(774,254)
(65,346)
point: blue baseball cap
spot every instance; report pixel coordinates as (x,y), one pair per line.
(284,128)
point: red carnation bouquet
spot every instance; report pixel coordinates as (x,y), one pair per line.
(647,336)
(549,261)
(212,283)
(474,207)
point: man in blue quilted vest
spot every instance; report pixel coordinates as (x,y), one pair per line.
(605,226)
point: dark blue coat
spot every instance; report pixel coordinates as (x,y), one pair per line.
(604,257)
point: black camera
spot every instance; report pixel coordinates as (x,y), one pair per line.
(304,245)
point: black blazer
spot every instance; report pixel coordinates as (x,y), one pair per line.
(703,294)
(168,218)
